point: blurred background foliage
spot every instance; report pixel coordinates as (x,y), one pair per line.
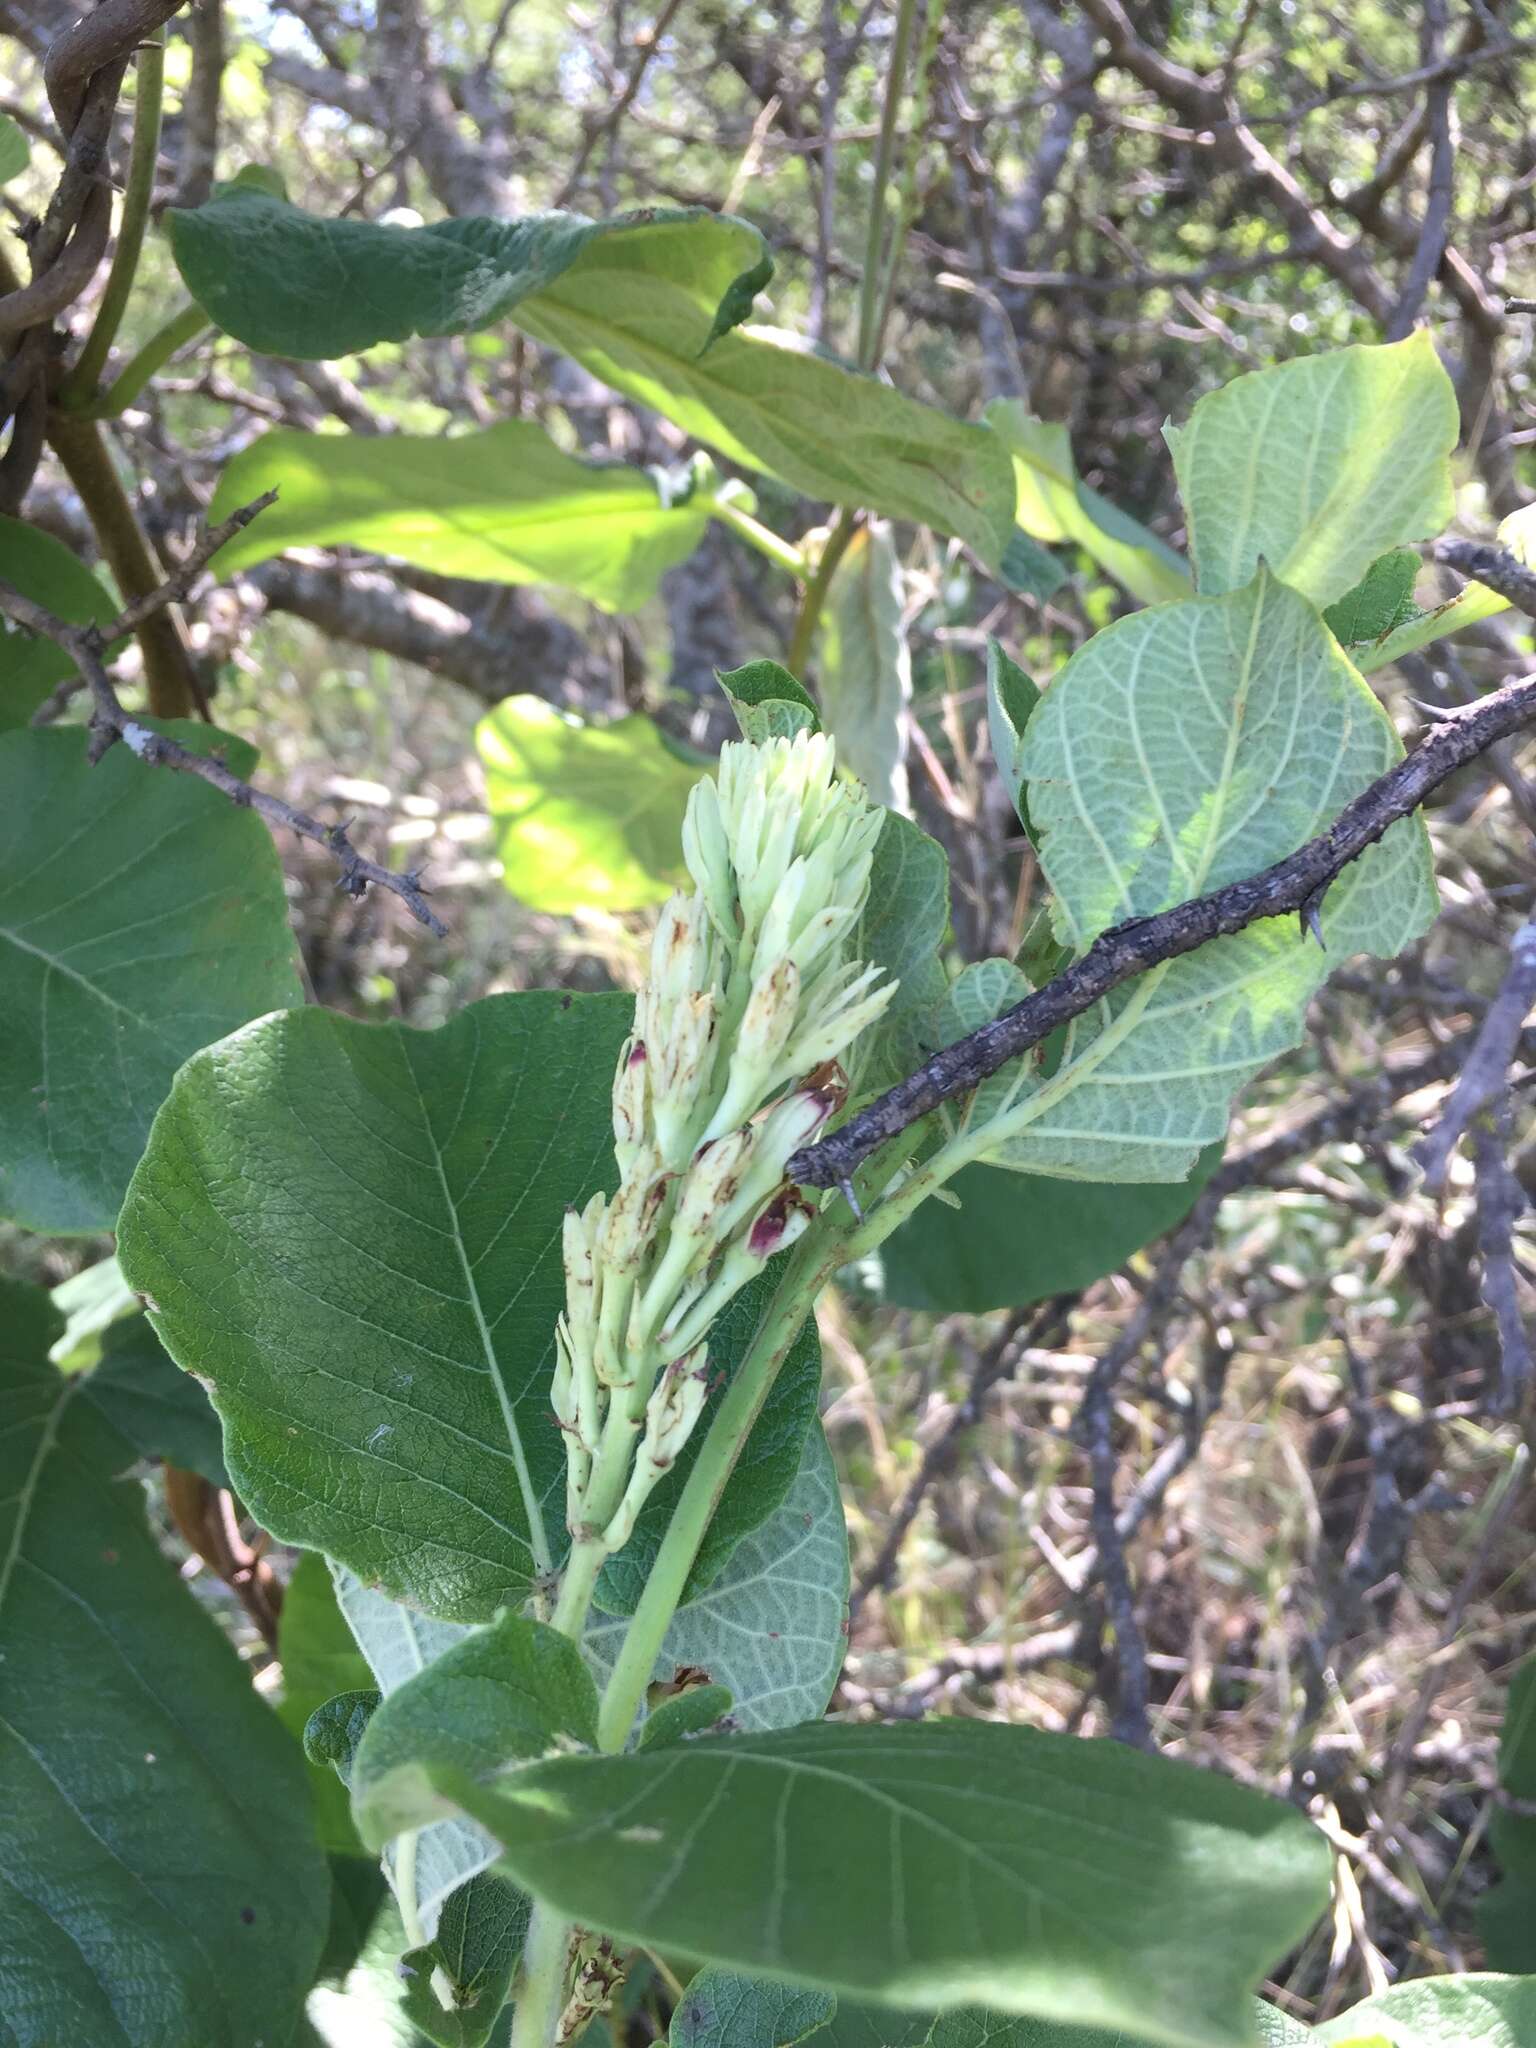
(1329,1521)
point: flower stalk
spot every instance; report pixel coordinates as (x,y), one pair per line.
(751,1002)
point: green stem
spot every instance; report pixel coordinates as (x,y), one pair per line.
(761,537)
(80,385)
(182,327)
(540,1996)
(405,1889)
(816,592)
(906,202)
(885,151)
(813,1260)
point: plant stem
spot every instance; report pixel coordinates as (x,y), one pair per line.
(761,537)
(540,1995)
(168,671)
(811,1262)
(80,385)
(183,326)
(885,151)
(906,202)
(816,592)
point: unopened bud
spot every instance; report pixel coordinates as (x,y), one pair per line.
(631,1215)
(682,950)
(712,1184)
(629,1101)
(761,1043)
(787,1217)
(708,854)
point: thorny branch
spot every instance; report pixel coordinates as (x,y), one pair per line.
(1296,883)
(109,723)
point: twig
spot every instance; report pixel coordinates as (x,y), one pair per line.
(1427,257)
(110,723)
(1496,567)
(1487,1069)
(1500,1204)
(1130,949)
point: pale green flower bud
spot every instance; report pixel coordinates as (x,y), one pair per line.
(708,854)
(676,1402)
(578,1242)
(761,1043)
(630,1102)
(630,1217)
(842,1014)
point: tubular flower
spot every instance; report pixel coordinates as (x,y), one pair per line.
(750,1001)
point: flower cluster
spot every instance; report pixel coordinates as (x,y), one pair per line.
(750,1002)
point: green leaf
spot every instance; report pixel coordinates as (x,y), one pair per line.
(504,505)
(163,1883)
(399,1644)
(763,1473)
(141,916)
(291,283)
(158,1409)
(769,704)
(15,150)
(685,1713)
(877,2026)
(722,2010)
(1054,504)
(478,1945)
(1011,700)
(587,817)
(1181,749)
(1507,1914)
(1442,2012)
(767,400)
(1316,467)
(865,670)
(1030,569)
(975,2027)
(770,1626)
(1380,602)
(320,1661)
(905,922)
(53,576)
(352,1233)
(513,1689)
(930,1864)
(1018,1237)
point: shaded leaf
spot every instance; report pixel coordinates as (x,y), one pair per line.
(1054,504)
(141,916)
(1507,1914)
(932,1864)
(1029,569)
(291,283)
(15,150)
(1011,700)
(1019,1237)
(587,817)
(722,2010)
(320,1662)
(905,923)
(510,1690)
(150,1402)
(770,1627)
(53,576)
(1315,467)
(469,1963)
(865,669)
(504,505)
(163,1882)
(399,1644)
